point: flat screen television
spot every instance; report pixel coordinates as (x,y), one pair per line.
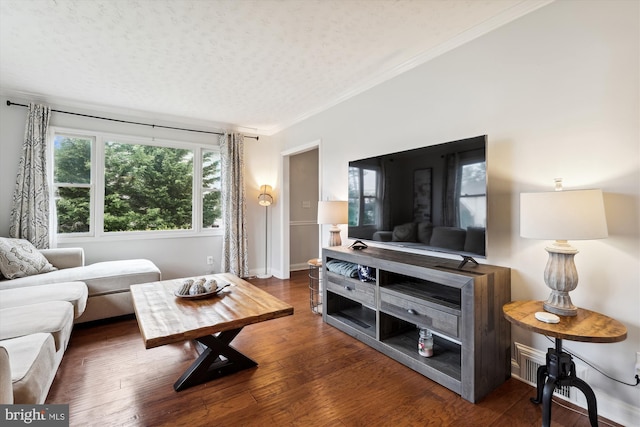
(429,198)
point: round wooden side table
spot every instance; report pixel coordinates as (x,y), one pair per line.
(559,371)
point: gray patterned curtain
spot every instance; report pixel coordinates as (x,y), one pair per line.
(30,210)
(234,245)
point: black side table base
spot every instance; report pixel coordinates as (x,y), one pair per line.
(560,371)
(217,360)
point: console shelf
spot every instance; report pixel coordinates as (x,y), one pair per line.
(462,307)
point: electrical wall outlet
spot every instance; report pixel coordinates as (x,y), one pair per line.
(210,260)
(638,363)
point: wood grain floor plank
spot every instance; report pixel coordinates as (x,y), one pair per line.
(309,374)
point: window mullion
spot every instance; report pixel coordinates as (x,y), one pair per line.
(97,187)
(196,206)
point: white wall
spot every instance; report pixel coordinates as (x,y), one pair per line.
(557,92)
(261,167)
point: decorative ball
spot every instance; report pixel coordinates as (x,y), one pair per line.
(210,285)
(184,289)
(197,288)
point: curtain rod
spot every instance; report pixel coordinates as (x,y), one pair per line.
(9,103)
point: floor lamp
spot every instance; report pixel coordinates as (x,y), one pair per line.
(265,199)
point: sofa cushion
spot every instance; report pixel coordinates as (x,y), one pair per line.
(74,292)
(19,258)
(64,257)
(101,278)
(383,236)
(54,317)
(448,238)
(475,240)
(425,231)
(33,366)
(6,388)
(405,232)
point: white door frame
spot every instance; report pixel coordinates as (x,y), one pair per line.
(285,264)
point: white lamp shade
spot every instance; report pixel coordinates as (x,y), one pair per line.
(265,198)
(563,215)
(333,212)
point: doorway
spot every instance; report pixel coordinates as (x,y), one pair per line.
(300,192)
(303,209)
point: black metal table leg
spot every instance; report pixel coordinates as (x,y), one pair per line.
(541,379)
(559,371)
(217,360)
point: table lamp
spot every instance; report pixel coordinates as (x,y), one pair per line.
(561,216)
(333,212)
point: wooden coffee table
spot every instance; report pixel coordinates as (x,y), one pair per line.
(214,322)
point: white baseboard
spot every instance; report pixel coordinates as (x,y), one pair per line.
(298,267)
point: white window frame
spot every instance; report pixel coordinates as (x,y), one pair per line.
(97,188)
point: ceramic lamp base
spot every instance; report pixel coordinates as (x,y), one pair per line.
(561,276)
(334,236)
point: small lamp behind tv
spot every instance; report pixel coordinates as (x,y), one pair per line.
(333,212)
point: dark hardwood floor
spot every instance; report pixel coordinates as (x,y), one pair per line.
(309,374)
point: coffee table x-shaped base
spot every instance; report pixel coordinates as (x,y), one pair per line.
(217,360)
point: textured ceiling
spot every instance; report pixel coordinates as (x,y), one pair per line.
(261,64)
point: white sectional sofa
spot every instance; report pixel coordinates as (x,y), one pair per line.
(35,337)
(37,314)
(108,282)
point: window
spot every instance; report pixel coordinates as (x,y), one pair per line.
(72,179)
(212,206)
(106,184)
(363,196)
(147,187)
(473,197)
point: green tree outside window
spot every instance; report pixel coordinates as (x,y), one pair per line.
(146,187)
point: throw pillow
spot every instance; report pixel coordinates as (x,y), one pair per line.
(475,240)
(404,233)
(448,238)
(425,230)
(19,258)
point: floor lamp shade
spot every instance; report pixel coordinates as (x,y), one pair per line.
(334,213)
(562,216)
(265,198)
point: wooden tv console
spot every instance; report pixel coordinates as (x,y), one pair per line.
(463,308)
